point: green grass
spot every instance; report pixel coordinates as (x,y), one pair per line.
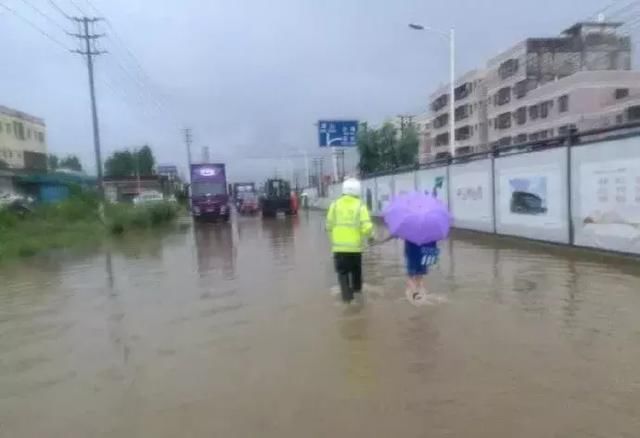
(75,223)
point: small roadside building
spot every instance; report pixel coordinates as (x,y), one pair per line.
(52,187)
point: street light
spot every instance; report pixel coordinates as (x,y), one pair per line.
(451,36)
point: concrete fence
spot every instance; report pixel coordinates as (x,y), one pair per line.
(585,195)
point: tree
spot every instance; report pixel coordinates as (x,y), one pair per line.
(71,162)
(146,160)
(122,164)
(384,149)
(52,162)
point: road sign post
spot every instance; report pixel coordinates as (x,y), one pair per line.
(337,134)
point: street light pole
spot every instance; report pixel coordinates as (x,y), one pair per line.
(452,91)
(451,36)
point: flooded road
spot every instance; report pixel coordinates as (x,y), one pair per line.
(231,331)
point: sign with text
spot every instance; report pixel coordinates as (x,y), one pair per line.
(337,133)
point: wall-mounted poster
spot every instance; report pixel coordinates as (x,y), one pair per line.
(434,183)
(531,196)
(471,196)
(609,200)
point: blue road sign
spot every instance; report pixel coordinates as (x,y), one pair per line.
(337,133)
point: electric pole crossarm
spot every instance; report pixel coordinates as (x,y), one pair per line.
(92,53)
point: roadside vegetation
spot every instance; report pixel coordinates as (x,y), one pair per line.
(75,222)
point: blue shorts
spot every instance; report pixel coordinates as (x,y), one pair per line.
(416,258)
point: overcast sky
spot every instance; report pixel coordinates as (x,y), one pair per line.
(249,77)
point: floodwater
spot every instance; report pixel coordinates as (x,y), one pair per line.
(232,331)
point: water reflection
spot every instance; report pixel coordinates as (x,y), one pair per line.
(215,248)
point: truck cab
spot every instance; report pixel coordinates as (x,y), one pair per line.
(276,198)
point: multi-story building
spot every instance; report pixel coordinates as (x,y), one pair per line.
(583,101)
(540,88)
(22,140)
(423,125)
(531,89)
(469,118)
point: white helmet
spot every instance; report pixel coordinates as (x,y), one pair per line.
(351,187)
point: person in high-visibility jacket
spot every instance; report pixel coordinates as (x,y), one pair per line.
(349,226)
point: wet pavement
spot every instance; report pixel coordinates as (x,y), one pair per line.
(231,331)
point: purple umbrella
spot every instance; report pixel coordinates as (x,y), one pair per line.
(418,218)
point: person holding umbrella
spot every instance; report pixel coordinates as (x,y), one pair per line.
(349,226)
(420,220)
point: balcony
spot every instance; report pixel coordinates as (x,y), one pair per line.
(463,112)
(463,91)
(440,103)
(441,121)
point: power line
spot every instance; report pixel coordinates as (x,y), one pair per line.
(46,16)
(59,9)
(34,26)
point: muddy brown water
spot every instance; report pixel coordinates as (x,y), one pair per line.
(231,331)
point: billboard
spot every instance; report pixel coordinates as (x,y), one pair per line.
(472,195)
(337,133)
(531,195)
(608,212)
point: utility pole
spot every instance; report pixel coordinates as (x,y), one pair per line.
(187,142)
(90,51)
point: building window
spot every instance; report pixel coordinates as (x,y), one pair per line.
(441,121)
(621,93)
(463,112)
(503,121)
(464,133)
(519,139)
(41,137)
(521,115)
(8,128)
(544,108)
(503,96)
(633,113)
(619,119)
(18,129)
(520,89)
(534,112)
(442,139)
(463,91)
(440,103)
(508,68)
(563,103)
(534,136)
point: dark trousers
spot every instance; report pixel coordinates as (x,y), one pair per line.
(349,270)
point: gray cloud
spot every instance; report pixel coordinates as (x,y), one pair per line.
(252,77)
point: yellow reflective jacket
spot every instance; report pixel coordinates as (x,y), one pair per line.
(348,224)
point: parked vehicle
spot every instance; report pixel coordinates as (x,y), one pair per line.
(249,204)
(239,190)
(276,198)
(19,204)
(148,197)
(209,197)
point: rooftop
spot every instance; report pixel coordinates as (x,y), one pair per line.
(576,28)
(21,115)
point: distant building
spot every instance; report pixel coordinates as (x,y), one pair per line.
(423,124)
(541,88)
(470,115)
(23,140)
